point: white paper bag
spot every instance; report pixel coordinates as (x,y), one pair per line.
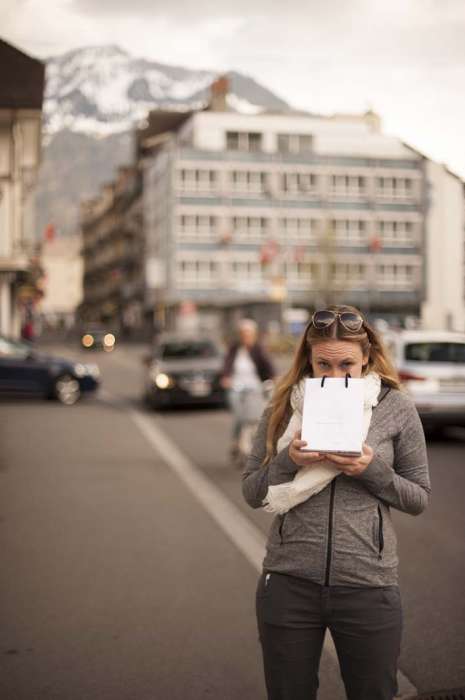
(333,415)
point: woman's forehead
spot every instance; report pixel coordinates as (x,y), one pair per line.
(336,348)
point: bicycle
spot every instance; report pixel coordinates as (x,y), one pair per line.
(247,405)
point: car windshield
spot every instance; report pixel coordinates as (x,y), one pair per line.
(435,352)
(187,349)
(93,330)
(13,349)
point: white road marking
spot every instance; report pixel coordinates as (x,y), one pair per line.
(245,535)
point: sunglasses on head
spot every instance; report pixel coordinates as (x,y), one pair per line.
(348,319)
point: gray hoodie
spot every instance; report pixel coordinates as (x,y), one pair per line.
(344,535)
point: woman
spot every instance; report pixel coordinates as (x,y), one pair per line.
(331,559)
(246,367)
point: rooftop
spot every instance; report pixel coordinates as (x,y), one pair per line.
(22,79)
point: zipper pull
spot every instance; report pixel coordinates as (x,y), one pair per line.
(267,578)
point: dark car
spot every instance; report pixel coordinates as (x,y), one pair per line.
(25,371)
(97,338)
(184,371)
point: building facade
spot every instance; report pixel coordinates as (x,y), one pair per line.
(259,212)
(111,227)
(62,264)
(21,93)
(444,303)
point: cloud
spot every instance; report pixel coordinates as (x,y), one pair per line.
(46,27)
(405,59)
(198,11)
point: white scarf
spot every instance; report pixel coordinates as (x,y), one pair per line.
(312,479)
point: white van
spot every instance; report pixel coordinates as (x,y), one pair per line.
(431,365)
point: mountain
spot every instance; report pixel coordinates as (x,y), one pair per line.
(94,97)
(74,166)
(102,90)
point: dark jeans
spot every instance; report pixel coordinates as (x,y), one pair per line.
(365,623)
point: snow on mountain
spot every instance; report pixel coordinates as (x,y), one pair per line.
(240,105)
(104,90)
(94,96)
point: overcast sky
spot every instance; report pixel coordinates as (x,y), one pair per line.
(403,58)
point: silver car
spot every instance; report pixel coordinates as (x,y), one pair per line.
(431,365)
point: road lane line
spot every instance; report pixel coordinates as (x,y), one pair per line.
(237,527)
(247,538)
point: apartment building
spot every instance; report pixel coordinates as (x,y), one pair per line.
(260,211)
(62,264)
(444,267)
(21,92)
(113,281)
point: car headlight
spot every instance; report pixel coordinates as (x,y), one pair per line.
(109,340)
(87,340)
(160,379)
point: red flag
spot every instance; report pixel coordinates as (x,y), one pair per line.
(268,251)
(375,244)
(49,233)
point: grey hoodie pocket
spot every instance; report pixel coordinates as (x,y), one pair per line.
(263,584)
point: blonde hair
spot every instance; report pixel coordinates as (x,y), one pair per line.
(370,344)
(247,324)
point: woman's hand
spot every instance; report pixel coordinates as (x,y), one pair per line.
(299,456)
(353,466)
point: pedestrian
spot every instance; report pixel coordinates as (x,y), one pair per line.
(246,367)
(27,331)
(331,559)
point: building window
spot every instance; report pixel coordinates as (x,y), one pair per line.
(351,186)
(298,228)
(302,275)
(350,231)
(348,275)
(246,270)
(197,273)
(191,180)
(248,181)
(396,275)
(302,184)
(250,227)
(397,188)
(295,143)
(243,141)
(304,270)
(197,226)
(397,233)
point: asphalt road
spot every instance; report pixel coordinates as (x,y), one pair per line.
(116,582)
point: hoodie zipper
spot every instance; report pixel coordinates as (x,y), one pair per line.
(330,532)
(380,533)
(283,517)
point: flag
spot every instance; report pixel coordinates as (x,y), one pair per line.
(268,252)
(49,233)
(375,244)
